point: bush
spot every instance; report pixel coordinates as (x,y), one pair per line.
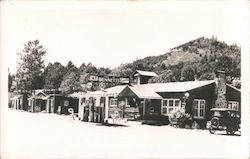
(180,119)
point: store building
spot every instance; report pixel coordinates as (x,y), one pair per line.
(19,102)
(51,102)
(194,97)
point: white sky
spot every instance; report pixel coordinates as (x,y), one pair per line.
(110,33)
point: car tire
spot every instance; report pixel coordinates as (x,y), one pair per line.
(215,122)
(212,131)
(230,131)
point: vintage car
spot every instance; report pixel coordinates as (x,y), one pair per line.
(224,119)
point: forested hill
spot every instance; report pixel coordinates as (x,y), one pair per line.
(198,58)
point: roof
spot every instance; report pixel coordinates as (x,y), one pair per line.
(146,73)
(176,86)
(233,87)
(112,91)
(115,90)
(76,94)
(39,95)
(142,92)
(16,97)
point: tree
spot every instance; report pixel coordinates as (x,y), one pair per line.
(70,82)
(103,71)
(54,75)
(82,67)
(91,69)
(187,73)
(224,63)
(10,82)
(29,74)
(166,76)
(70,67)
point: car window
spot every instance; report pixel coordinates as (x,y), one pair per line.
(217,113)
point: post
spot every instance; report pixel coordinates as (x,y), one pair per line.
(106,106)
(144,107)
(80,108)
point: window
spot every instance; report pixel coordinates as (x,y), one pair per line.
(199,108)
(127,102)
(113,102)
(170,105)
(151,109)
(234,105)
(83,100)
(66,103)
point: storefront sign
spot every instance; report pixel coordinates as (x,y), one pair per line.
(108,79)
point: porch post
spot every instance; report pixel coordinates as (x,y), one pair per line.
(106,109)
(144,107)
(80,108)
(33,103)
(48,104)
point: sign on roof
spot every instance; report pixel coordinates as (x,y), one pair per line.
(108,79)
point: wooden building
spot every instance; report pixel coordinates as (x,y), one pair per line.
(19,102)
(194,97)
(37,102)
(52,103)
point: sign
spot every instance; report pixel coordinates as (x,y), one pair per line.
(108,79)
(89,85)
(102,85)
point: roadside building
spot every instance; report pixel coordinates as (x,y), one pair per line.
(98,106)
(19,102)
(50,102)
(37,102)
(194,97)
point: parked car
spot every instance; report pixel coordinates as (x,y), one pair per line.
(224,119)
(155,120)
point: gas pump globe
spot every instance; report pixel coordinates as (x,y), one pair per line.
(185,97)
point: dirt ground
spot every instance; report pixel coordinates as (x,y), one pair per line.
(40,135)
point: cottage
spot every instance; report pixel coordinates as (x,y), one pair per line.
(37,102)
(51,102)
(19,102)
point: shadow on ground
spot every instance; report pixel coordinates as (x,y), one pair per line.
(111,125)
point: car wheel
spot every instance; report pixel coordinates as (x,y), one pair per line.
(230,131)
(215,122)
(211,130)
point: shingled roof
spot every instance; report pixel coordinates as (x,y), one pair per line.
(176,86)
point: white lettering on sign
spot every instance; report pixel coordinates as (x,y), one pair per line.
(111,79)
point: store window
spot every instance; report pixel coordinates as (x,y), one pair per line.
(234,105)
(66,103)
(113,102)
(199,108)
(170,105)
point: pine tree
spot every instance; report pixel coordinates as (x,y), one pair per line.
(29,74)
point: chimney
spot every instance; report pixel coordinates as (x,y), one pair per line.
(220,80)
